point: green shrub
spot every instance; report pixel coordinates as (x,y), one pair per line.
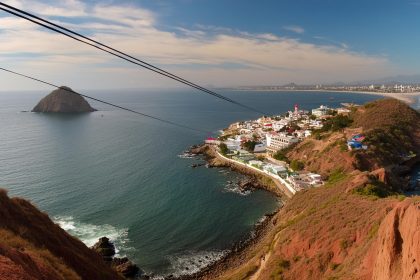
(336,176)
(249,145)
(297,165)
(223,148)
(336,123)
(374,189)
(280,155)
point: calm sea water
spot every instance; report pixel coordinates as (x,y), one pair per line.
(116,174)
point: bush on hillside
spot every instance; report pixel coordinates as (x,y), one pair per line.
(297,165)
(336,123)
(280,155)
(249,146)
(223,148)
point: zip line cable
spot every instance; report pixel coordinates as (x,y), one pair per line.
(99,43)
(104,102)
(93,43)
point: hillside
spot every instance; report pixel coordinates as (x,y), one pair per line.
(392,131)
(33,247)
(358,225)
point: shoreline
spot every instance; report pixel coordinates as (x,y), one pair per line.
(239,251)
(263,180)
(408,97)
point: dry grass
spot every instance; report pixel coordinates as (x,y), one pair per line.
(36,260)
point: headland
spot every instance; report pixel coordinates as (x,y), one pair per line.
(332,227)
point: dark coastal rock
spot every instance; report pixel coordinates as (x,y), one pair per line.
(105,248)
(195,165)
(127,268)
(62,100)
(248,184)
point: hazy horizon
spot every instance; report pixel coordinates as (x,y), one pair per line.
(212,43)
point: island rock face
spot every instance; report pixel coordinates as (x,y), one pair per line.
(62,100)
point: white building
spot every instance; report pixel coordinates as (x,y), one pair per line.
(274,169)
(278,141)
(259,148)
(321,111)
(233,145)
(343,111)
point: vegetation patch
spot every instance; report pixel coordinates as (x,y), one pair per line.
(282,265)
(344,244)
(336,123)
(223,148)
(374,189)
(373,230)
(336,176)
(281,155)
(297,165)
(334,266)
(249,146)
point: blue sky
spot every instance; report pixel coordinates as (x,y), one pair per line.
(374,27)
(220,43)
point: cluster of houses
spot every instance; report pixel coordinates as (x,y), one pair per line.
(272,134)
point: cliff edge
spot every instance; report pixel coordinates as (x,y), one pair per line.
(63,100)
(33,247)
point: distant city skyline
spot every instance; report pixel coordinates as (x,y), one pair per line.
(217,43)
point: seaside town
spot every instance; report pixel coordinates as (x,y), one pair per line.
(261,144)
(382,88)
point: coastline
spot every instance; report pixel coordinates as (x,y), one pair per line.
(260,178)
(409,98)
(243,249)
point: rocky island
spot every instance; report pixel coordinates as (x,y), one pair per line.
(63,100)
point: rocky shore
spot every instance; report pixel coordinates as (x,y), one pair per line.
(237,255)
(255,180)
(239,252)
(106,249)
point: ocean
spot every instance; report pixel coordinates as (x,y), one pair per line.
(113,173)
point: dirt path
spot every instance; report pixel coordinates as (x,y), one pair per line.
(264,260)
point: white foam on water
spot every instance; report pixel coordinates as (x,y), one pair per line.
(234,188)
(89,233)
(192,262)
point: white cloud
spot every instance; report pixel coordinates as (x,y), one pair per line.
(204,54)
(294,28)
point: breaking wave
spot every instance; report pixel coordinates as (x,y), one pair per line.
(192,262)
(234,188)
(89,233)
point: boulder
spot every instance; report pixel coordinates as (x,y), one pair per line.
(105,248)
(127,268)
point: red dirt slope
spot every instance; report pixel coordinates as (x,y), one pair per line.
(31,242)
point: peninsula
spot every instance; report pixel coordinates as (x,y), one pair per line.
(63,100)
(352,222)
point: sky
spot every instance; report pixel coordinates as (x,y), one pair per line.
(218,43)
